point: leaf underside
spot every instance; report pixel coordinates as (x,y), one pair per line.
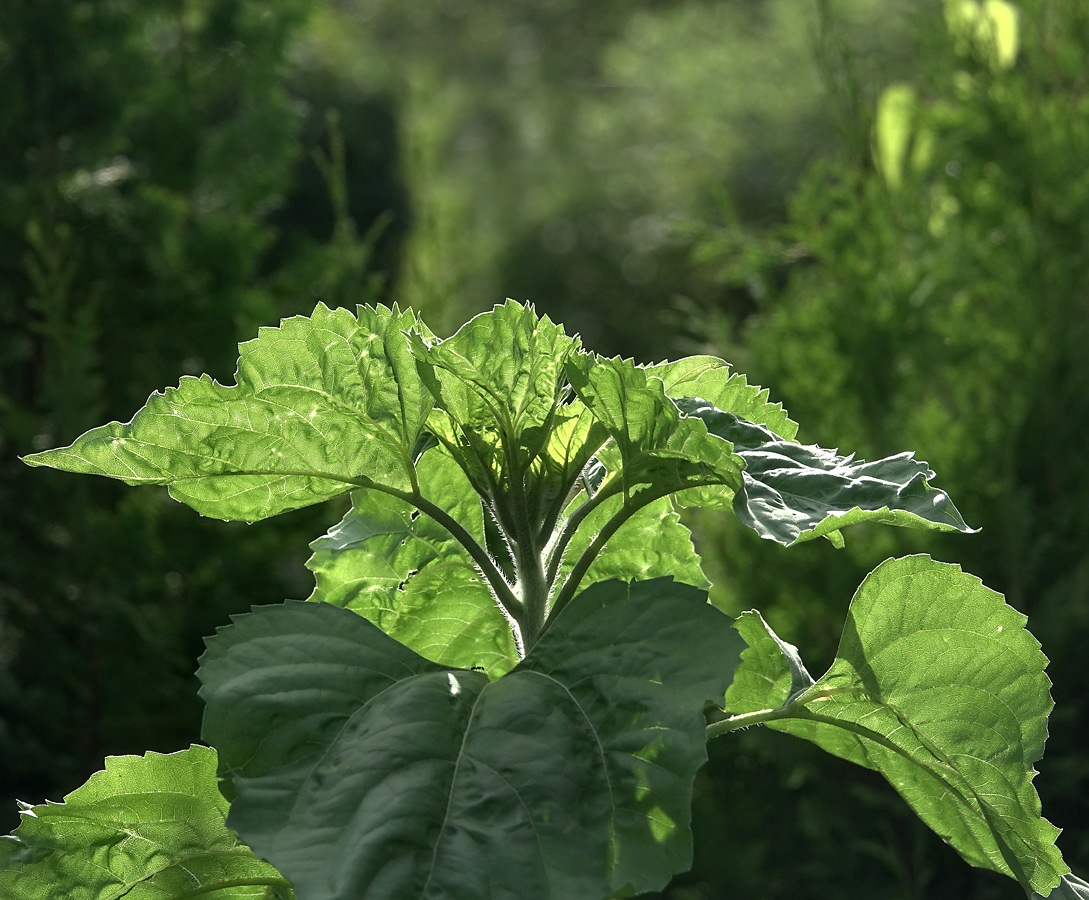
(797,492)
(938,686)
(146,828)
(364,769)
(1070,888)
(710,378)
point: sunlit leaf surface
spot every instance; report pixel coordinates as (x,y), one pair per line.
(146,828)
(404,572)
(938,686)
(319,404)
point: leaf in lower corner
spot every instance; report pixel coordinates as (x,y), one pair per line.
(319,403)
(938,686)
(364,769)
(1070,888)
(146,828)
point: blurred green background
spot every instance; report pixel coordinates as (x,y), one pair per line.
(879,209)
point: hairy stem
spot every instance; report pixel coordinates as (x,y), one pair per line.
(555,553)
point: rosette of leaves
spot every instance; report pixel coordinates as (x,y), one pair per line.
(500,685)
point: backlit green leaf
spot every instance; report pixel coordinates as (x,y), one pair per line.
(938,686)
(404,572)
(771,670)
(365,770)
(320,404)
(501,368)
(653,543)
(797,492)
(660,449)
(1070,888)
(147,828)
(710,379)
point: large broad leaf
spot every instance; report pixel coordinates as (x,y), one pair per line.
(407,574)
(660,449)
(364,769)
(147,828)
(653,543)
(709,378)
(320,404)
(938,686)
(797,492)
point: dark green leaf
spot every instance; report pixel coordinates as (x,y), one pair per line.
(147,828)
(365,770)
(938,686)
(404,572)
(320,403)
(796,492)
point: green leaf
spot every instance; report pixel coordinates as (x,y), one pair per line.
(660,449)
(321,404)
(147,828)
(771,671)
(709,379)
(364,769)
(501,369)
(797,492)
(1070,888)
(500,390)
(406,573)
(938,686)
(653,543)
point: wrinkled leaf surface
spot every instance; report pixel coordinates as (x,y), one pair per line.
(797,492)
(319,402)
(146,828)
(404,572)
(364,769)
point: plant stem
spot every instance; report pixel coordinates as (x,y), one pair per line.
(555,553)
(744,720)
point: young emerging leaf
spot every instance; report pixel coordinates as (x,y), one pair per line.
(709,378)
(660,450)
(147,828)
(406,573)
(363,769)
(321,404)
(938,686)
(502,369)
(797,492)
(771,672)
